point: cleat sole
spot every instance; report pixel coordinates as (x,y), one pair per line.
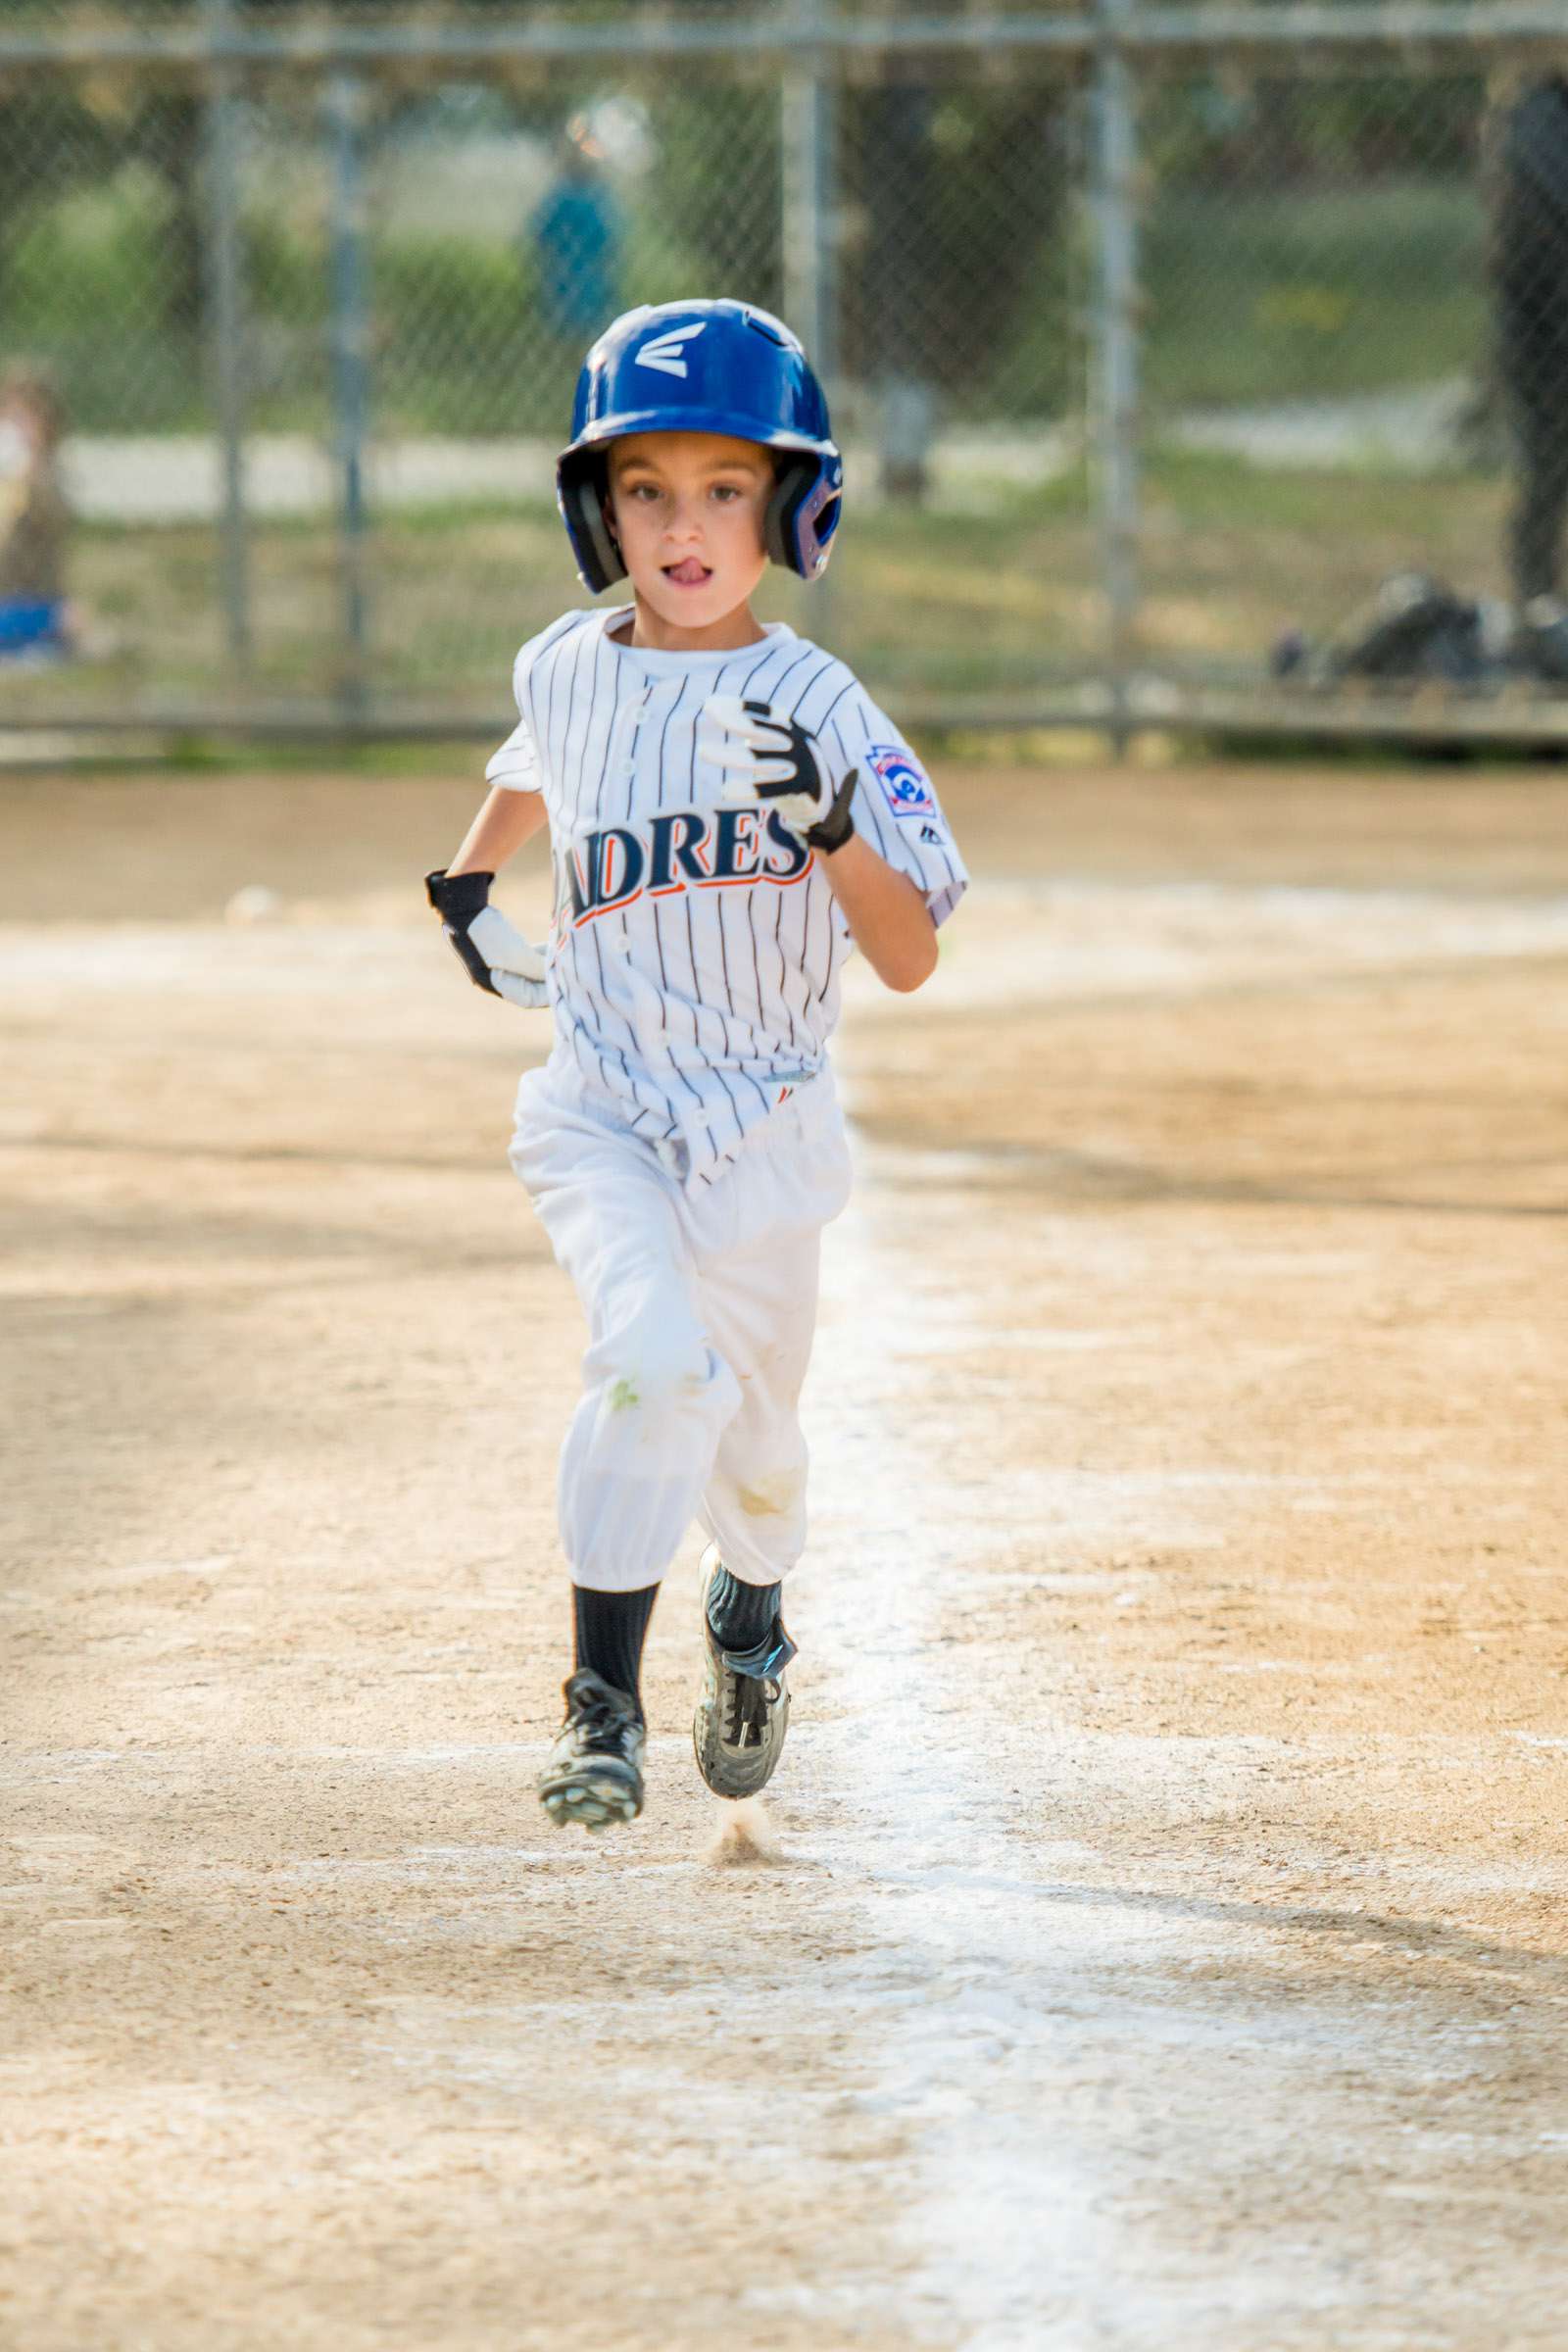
(589,1805)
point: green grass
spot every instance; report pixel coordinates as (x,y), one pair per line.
(1231,556)
(1305,295)
(1246,297)
(926,605)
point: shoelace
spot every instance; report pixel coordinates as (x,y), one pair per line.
(749,1697)
(602,1721)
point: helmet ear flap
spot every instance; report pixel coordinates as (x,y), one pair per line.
(582,509)
(805,501)
(791,492)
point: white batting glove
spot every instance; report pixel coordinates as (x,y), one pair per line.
(493,951)
(775,760)
(516,967)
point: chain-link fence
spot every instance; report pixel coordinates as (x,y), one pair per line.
(1156,340)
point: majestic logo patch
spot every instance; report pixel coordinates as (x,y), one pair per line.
(932,834)
(906,784)
(666,352)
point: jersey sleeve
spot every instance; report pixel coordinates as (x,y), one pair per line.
(514,764)
(895,808)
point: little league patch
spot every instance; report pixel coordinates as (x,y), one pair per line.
(906,786)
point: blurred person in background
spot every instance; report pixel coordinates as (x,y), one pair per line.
(34,519)
(1529,286)
(577,241)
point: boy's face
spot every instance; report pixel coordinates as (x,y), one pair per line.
(687,510)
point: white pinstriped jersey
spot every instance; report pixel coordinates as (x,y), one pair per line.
(696,948)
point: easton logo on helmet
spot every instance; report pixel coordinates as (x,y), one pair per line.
(666,351)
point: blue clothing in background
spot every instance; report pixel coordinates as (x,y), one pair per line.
(24,626)
(576,233)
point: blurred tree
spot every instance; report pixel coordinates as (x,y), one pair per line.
(957,193)
(951,194)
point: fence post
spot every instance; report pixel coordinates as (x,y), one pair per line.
(349,335)
(226,324)
(1115,334)
(809,209)
(810,296)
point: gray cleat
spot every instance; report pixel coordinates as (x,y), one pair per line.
(744,1711)
(595,1773)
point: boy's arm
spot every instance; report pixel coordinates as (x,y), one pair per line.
(492,950)
(886,912)
(785,767)
(505,820)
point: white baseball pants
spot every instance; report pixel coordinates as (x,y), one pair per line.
(701,1313)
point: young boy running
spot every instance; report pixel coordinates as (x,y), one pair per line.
(729,815)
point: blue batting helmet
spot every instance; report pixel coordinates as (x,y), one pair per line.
(703,368)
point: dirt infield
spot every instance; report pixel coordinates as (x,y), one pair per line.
(1166,1948)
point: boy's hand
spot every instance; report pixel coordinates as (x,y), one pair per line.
(495,954)
(780,764)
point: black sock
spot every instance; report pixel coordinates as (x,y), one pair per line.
(741,1615)
(611,1628)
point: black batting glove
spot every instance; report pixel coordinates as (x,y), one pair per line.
(457,900)
(777,761)
(495,954)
